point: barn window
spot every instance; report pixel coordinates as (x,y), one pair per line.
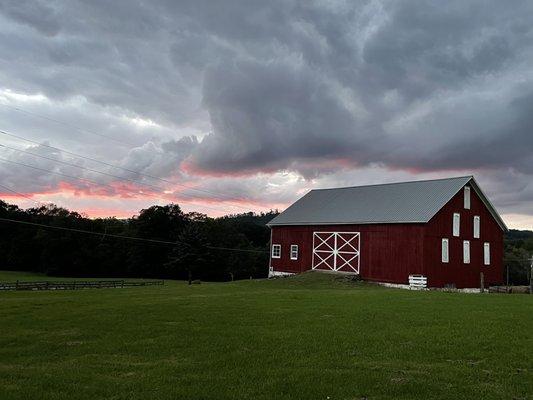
(276,251)
(486,253)
(467,197)
(294,251)
(477,224)
(456,224)
(466,252)
(445,251)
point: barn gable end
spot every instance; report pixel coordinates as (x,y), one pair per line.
(455,272)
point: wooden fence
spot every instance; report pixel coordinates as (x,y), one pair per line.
(74,285)
(510,289)
(418,281)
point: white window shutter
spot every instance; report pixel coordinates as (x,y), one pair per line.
(466,252)
(486,253)
(445,251)
(477,226)
(467,197)
(456,224)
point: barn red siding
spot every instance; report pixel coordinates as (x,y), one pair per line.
(391,252)
(455,271)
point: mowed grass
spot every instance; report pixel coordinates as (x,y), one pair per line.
(314,336)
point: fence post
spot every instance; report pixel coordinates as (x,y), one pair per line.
(531,277)
(481,282)
(507,282)
(17,285)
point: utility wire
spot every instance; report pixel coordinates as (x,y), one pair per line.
(123,236)
(82,130)
(93,170)
(56,173)
(218,195)
(78,166)
(104,234)
(21,195)
(92,181)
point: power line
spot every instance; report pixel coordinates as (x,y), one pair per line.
(123,236)
(83,130)
(90,169)
(104,234)
(76,166)
(56,173)
(94,182)
(218,195)
(85,231)
(22,195)
(117,236)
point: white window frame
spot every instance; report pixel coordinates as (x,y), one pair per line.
(486,253)
(477,226)
(467,197)
(466,251)
(276,251)
(294,251)
(445,251)
(456,224)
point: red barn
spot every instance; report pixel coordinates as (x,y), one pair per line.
(445,229)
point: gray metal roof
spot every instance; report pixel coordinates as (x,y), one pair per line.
(408,202)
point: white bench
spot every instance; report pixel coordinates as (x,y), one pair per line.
(418,282)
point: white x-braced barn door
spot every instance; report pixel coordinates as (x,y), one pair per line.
(336,251)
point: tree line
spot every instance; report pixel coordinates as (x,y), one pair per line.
(518,251)
(199,245)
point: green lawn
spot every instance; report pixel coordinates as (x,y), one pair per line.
(307,337)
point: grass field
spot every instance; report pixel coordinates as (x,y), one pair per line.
(308,337)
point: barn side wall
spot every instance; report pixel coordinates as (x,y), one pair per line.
(456,272)
(389,252)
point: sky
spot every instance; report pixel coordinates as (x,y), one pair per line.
(229,106)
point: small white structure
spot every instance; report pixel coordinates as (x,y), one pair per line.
(418,282)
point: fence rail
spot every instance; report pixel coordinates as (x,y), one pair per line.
(74,285)
(418,281)
(510,289)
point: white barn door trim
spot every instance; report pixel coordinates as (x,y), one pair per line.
(336,251)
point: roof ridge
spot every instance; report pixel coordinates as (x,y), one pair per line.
(395,183)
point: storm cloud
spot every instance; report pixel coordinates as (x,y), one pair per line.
(261,100)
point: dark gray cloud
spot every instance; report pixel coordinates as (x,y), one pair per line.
(39,16)
(316,89)
(265,115)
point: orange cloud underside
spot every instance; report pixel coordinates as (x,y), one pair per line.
(125,200)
